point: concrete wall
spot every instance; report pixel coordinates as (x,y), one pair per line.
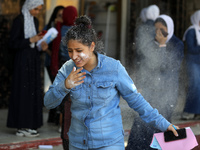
(105,21)
(51,4)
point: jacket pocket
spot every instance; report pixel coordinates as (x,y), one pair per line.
(104,89)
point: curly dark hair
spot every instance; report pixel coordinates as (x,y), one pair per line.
(83,32)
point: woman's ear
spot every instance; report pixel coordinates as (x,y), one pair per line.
(92,46)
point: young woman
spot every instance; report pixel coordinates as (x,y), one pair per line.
(54,19)
(25,106)
(144,33)
(192,39)
(158,79)
(95,83)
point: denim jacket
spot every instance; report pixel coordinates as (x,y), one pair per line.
(96,116)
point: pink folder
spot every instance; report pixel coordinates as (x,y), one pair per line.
(184,144)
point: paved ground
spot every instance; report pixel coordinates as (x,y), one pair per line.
(58,147)
(49,133)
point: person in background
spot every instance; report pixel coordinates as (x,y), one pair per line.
(54,19)
(62,27)
(143,15)
(25,105)
(146,29)
(159,79)
(95,83)
(144,32)
(192,57)
(69,15)
(152,12)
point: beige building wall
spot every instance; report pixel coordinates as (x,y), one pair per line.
(51,4)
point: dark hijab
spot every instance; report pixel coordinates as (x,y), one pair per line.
(69,15)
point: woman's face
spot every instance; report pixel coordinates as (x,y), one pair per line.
(35,11)
(59,16)
(160,28)
(80,54)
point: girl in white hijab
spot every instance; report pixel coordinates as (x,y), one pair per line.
(29,26)
(25,103)
(143,15)
(159,67)
(192,57)
(195,20)
(164,29)
(152,12)
(170,26)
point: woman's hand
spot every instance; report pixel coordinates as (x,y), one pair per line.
(75,78)
(44,46)
(160,37)
(35,38)
(171,128)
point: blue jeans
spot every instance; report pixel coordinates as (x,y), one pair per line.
(117,146)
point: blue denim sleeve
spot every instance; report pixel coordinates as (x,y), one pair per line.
(57,91)
(136,101)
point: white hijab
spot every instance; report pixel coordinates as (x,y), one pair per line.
(195,19)
(143,15)
(170,26)
(29,26)
(152,12)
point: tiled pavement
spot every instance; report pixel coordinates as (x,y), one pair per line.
(49,134)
